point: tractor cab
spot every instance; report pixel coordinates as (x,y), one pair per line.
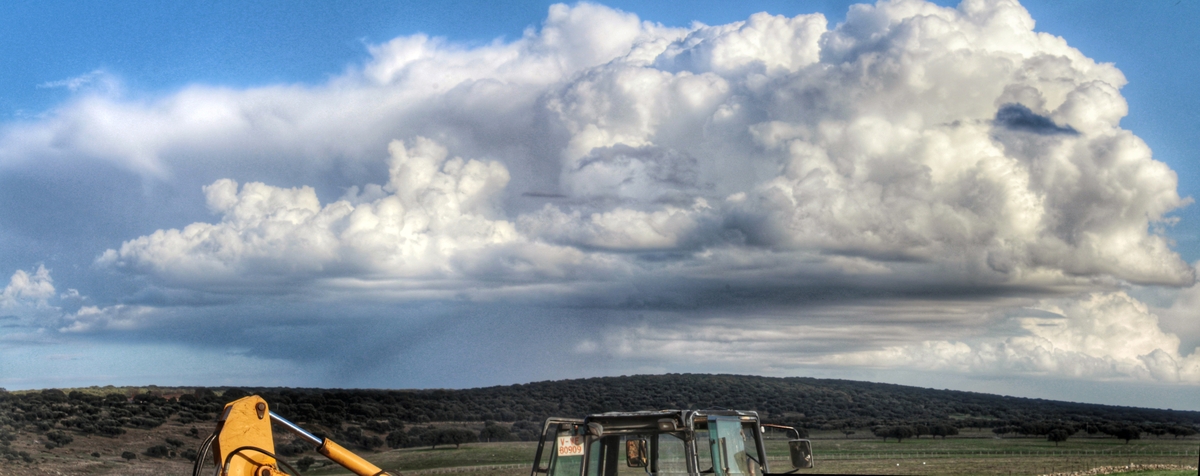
(667,442)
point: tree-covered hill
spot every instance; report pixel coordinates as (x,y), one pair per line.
(811,402)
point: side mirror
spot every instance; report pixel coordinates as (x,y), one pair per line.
(635,453)
(802,456)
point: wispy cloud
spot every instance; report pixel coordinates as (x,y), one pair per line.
(96,80)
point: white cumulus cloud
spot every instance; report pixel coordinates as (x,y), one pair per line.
(605,161)
(26,288)
(1096,336)
(30,302)
(434,209)
(909,132)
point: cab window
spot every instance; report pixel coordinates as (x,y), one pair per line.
(727,446)
(669,455)
(566,455)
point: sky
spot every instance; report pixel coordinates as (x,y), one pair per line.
(985,196)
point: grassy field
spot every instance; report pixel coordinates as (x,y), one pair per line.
(968,454)
(982,453)
(972,453)
(474,454)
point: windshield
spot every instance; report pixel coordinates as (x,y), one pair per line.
(618,455)
(720,445)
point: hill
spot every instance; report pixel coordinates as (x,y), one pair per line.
(369,419)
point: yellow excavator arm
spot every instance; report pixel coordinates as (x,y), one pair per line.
(242,444)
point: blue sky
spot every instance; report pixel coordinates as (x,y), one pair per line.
(605,216)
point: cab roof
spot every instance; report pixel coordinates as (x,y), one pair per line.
(650,420)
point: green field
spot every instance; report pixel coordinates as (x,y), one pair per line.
(970,453)
(981,453)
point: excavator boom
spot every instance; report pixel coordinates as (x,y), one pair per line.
(242,444)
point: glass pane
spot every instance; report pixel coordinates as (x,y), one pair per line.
(605,457)
(728,445)
(542,465)
(752,454)
(566,457)
(703,452)
(594,458)
(623,468)
(671,457)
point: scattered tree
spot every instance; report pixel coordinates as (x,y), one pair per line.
(897,432)
(493,432)
(1057,435)
(944,431)
(458,436)
(1126,433)
(448,436)
(902,432)
(919,430)
(1178,431)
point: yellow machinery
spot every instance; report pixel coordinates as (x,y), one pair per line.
(242,444)
(668,442)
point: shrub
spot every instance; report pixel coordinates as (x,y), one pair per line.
(110,428)
(380,426)
(305,463)
(57,439)
(158,451)
(371,442)
(142,422)
(128,455)
(397,439)
(234,394)
(293,448)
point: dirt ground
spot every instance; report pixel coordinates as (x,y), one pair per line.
(101,455)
